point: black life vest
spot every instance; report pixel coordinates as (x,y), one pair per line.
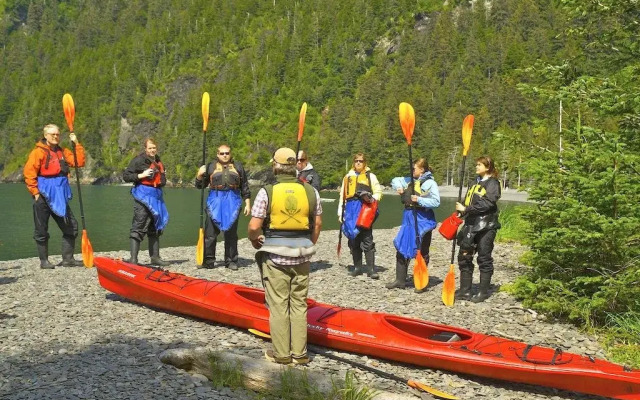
(225,177)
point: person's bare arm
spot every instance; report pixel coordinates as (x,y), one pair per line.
(255,232)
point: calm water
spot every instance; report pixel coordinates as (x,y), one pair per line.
(109,209)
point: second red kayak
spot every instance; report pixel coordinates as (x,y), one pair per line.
(375,334)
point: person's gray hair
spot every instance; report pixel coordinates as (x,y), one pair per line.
(280,169)
(49,127)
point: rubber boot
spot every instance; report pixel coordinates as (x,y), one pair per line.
(370,256)
(43,254)
(466,279)
(135,248)
(357,263)
(68,245)
(485,282)
(402,266)
(154,252)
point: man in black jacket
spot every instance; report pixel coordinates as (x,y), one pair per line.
(228,189)
(150,215)
(306,173)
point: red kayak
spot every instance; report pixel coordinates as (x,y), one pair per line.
(375,334)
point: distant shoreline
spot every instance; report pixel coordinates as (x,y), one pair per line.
(445,191)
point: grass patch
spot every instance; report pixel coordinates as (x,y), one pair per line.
(622,338)
(225,374)
(514,226)
(352,390)
(294,384)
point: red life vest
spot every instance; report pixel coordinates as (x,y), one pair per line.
(156,178)
(54,163)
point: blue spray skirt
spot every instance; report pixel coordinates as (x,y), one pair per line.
(153,199)
(351,212)
(57,192)
(405,241)
(223,207)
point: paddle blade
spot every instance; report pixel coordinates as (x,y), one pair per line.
(339,249)
(205,110)
(420,272)
(429,389)
(467,130)
(303,116)
(69,110)
(407,120)
(260,333)
(449,287)
(200,247)
(87,250)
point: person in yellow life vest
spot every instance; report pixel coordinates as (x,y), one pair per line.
(480,214)
(361,187)
(422,200)
(46,174)
(150,216)
(285,224)
(228,189)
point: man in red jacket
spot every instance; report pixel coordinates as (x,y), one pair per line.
(46,174)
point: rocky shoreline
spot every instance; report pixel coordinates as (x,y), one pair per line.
(63,336)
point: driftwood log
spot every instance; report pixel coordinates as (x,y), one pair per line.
(261,375)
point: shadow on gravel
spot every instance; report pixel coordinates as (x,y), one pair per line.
(11,267)
(6,316)
(118,367)
(7,280)
(320,265)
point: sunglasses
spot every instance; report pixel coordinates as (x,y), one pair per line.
(302,159)
(53,134)
(224,153)
(358,161)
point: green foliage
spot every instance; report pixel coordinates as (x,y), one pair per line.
(585,240)
(147,62)
(513,225)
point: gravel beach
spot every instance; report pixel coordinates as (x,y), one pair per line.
(62,336)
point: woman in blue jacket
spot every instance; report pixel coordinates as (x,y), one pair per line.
(423,199)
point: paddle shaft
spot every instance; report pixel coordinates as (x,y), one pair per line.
(345,185)
(414,208)
(453,246)
(204,160)
(75,165)
(356,364)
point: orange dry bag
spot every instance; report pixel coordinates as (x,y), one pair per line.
(449,227)
(367,215)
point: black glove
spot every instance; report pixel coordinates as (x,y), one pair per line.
(366,197)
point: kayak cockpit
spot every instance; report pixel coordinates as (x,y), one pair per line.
(423,330)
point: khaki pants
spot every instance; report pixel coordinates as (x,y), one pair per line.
(286,289)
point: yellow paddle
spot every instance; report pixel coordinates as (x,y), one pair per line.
(449,286)
(69,114)
(410,382)
(205,121)
(408,122)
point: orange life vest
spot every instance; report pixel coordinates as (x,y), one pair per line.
(54,164)
(156,178)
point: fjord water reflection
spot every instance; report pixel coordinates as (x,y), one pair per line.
(109,210)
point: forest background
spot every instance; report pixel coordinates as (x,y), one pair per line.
(138,67)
